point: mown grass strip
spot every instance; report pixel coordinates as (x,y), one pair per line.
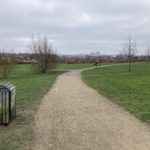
(131,90)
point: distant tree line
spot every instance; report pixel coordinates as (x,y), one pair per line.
(43,58)
(120,58)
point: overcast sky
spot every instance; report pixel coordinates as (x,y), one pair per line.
(75,26)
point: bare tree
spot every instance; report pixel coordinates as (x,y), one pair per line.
(129,50)
(7,64)
(148,54)
(43,53)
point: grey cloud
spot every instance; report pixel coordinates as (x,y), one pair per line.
(75,26)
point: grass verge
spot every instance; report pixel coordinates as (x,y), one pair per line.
(30,87)
(131,90)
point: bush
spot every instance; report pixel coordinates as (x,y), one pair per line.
(7,64)
(43,53)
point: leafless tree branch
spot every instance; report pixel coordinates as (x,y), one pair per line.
(129,50)
(43,52)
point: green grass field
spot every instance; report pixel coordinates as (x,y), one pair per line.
(130,90)
(30,89)
(73,66)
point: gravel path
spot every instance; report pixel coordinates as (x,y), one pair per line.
(73,116)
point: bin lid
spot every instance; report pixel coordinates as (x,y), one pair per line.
(6,85)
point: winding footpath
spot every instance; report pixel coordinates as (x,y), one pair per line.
(73,116)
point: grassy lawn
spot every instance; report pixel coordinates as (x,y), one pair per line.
(73,66)
(131,90)
(30,87)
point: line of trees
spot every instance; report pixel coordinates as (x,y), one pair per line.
(46,59)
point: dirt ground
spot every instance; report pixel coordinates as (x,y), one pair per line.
(73,116)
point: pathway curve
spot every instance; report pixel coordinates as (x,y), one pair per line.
(73,116)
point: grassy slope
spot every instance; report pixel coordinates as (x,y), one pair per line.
(30,87)
(132,90)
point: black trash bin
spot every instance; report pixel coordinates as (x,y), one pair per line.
(7,103)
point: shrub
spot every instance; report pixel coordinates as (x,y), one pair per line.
(7,64)
(43,53)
